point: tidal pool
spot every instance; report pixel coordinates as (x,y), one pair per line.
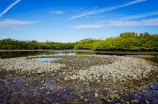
(47,59)
(43,89)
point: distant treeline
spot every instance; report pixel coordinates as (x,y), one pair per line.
(15,44)
(126,41)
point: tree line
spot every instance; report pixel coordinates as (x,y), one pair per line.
(15,44)
(126,41)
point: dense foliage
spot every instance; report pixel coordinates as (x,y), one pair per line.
(15,44)
(126,41)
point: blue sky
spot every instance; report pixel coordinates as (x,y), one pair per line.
(74,20)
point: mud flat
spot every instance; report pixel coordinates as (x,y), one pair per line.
(106,77)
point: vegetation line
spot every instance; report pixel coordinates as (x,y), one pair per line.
(129,41)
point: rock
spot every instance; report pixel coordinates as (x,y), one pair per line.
(47,92)
(57,95)
(144,91)
(81,97)
(86,100)
(150,86)
(96,95)
(147,102)
(1,81)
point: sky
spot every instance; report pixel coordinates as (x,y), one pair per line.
(74,20)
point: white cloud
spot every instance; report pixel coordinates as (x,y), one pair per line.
(58,12)
(9,7)
(10,23)
(106,9)
(149,22)
(141,16)
(87,26)
(131,17)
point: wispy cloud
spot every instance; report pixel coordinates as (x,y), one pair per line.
(132,17)
(141,16)
(10,23)
(149,22)
(106,9)
(9,7)
(87,26)
(57,12)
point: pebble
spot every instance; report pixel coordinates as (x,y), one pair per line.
(88,67)
(96,95)
(86,100)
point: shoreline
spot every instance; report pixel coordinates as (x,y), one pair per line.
(88,50)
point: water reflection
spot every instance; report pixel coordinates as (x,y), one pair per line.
(154,59)
(46,59)
(35,53)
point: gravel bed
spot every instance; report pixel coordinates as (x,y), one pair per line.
(92,68)
(116,68)
(22,65)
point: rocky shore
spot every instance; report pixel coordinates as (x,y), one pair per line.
(22,65)
(91,78)
(92,68)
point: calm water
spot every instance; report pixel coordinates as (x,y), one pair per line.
(46,59)
(34,53)
(19,82)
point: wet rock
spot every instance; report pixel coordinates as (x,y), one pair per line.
(57,95)
(96,95)
(47,92)
(1,81)
(144,91)
(86,100)
(81,97)
(151,86)
(147,102)
(64,90)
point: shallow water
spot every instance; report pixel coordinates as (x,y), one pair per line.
(38,89)
(47,59)
(15,90)
(35,53)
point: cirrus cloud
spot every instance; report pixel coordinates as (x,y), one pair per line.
(11,23)
(105,9)
(87,26)
(57,12)
(9,7)
(149,22)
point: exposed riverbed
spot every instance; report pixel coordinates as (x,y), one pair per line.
(86,78)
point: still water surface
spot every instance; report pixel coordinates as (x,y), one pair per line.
(34,53)
(46,59)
